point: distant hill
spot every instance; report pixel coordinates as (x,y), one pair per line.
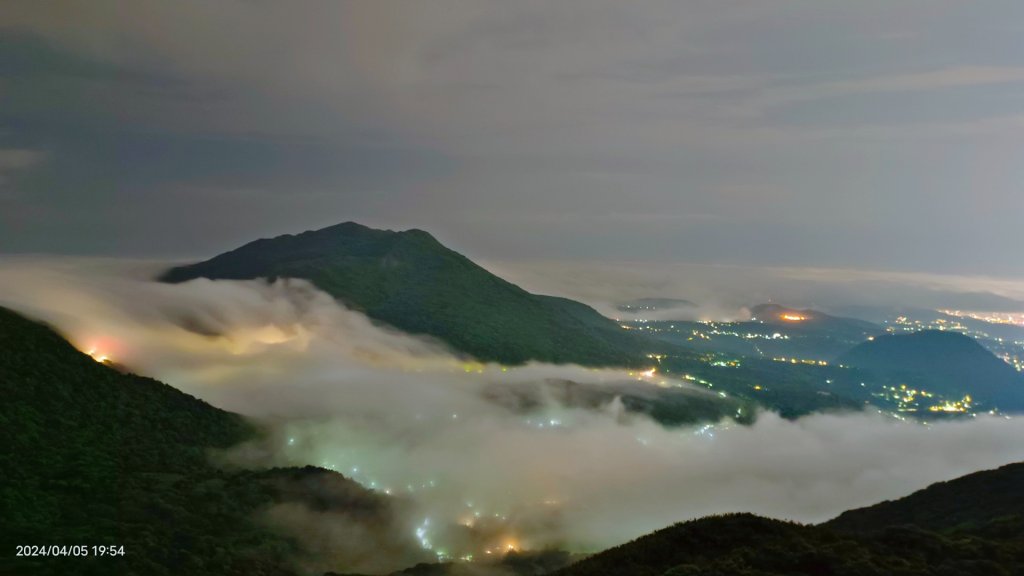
(969,502)
(814,320)
(942,362)
(775,331)
(92,456)
(969,526)
(411,281)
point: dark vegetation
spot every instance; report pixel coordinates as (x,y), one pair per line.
(91,456)
(747,545)
(410,281)
(969,526)
(980,501)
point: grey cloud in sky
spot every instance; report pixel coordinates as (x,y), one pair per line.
(872,134)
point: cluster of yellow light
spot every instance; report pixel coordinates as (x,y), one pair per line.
(732,333)
(801,361)
(962,405)
(906,398)
(791,317)
(1014,361)
(990,317)
(937,324)
(1012,351)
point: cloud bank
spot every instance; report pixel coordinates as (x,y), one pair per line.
(725,292)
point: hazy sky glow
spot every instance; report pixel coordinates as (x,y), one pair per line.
(870,134)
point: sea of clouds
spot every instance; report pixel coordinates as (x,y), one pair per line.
(406,417)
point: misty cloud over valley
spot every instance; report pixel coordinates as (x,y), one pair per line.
(475,456)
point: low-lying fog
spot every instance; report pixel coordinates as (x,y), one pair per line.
(401,415)
(723,292)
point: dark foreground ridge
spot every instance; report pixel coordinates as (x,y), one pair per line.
(91,456)
(979,501)
(411,281)
(973,525)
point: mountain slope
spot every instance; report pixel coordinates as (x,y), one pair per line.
(411,281)
(91,456)
(748,545)
(777,314)
(946,363)
(967,526)
(968,502)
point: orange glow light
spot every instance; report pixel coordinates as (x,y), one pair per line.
(102,349)
(793,317)
(98,356)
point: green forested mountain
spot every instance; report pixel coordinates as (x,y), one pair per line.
(942,362)
(91,456)
(410,281)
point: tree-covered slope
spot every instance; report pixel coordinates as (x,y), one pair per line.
(411,281)
(969,502)
(91,456)
(946,363)
(748,545)
(968,526)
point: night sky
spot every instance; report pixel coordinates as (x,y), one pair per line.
(871,134)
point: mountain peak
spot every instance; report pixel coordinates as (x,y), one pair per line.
(347,226)
(413,282)
(943,362)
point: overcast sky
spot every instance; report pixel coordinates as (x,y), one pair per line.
(873,134)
